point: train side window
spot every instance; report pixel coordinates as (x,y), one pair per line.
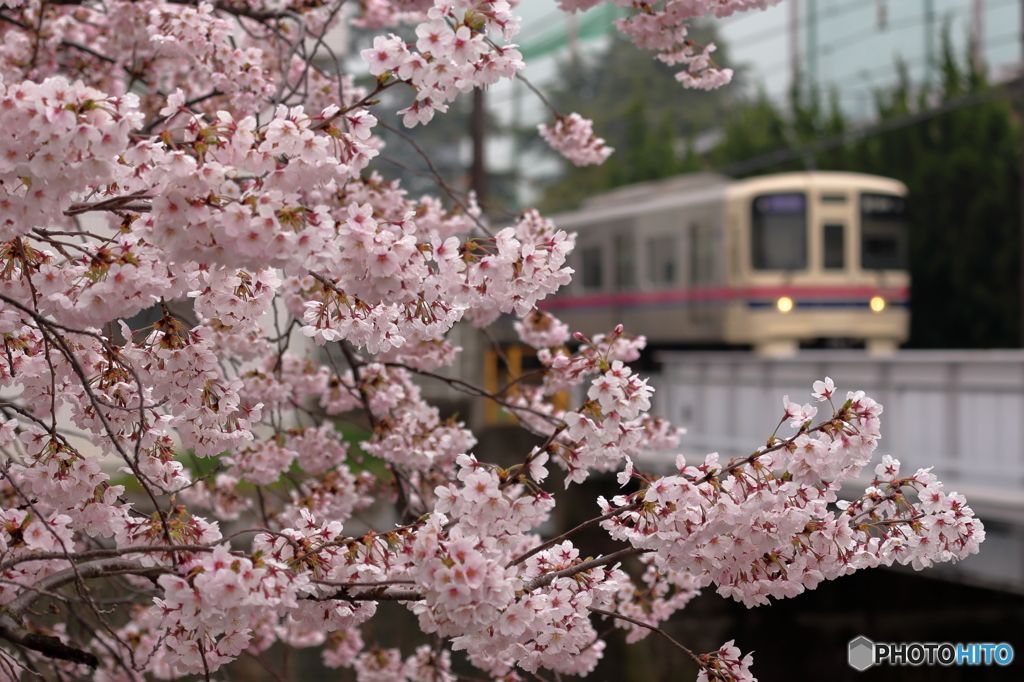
(883,229)
(592,275)
(702,255)
(661,259)
(625,262)
(779,232)
(834,257)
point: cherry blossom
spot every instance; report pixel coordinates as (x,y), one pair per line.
(222,327)
(573,137)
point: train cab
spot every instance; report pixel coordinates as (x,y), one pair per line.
(772,262)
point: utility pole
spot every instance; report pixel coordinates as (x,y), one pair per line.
(517,154)
(794,45)
(477,131)
(812,46)
(977,33)
(929,41)
(572,36)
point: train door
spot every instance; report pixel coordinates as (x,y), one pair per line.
(835,233)
(702,270)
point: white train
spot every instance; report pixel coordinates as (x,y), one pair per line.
(772,263)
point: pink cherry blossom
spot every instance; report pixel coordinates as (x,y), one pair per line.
(573,137)
(224,335)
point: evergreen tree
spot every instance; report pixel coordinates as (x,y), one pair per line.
(963,172)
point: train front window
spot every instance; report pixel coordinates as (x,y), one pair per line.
(779,232)
(592,276)
(883,229)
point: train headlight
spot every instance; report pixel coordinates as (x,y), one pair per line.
(877,304)
(784,304)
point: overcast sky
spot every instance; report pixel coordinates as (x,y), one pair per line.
(859,41)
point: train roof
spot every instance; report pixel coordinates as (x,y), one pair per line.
(656,188)
(817,179)
(647,197)
(702,188)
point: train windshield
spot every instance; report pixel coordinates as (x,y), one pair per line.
(883,229)
(779,231)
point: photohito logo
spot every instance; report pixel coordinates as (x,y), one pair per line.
(863,653)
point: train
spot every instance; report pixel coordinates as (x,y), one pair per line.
(772,263)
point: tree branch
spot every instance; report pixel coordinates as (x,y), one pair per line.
(572,531)
(611,614)
(548,578)
(15,632)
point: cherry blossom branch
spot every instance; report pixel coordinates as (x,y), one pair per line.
(318,43)
(46,327)
(89,51)
(374,595)
(73,557)
(12,630)
(355,365)
(694,657)
(95,569)
(132,465)
(120,203)
(528,586)
(472,389)
(571,532)
(243,202)
(543,98)
(74,571)
(750,459)
(441,182)
(547,578)
(515,473)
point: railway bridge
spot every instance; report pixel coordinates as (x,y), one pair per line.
(961,412)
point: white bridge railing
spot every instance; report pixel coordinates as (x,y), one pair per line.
(961,412)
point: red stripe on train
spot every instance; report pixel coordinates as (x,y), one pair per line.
(896,294)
